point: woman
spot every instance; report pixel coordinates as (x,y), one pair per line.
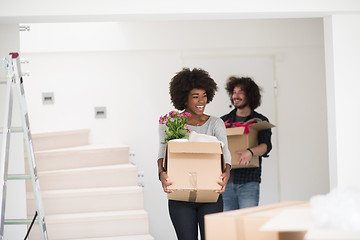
(191,90)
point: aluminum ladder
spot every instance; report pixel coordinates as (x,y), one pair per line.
(15,80)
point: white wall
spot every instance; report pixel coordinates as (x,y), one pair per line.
(127,67)
(114,10)
(343,74)
(15,194)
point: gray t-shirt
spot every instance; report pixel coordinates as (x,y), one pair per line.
(214,126)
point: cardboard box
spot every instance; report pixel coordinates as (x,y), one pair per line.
(331,234)
(291,223)
(238,141)
(245,223)
(194,168)
(298,224)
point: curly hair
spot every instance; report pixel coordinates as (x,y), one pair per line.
(251,89)
(185,81)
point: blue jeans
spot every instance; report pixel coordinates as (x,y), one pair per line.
(238,196)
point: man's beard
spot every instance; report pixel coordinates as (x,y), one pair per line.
(241,106)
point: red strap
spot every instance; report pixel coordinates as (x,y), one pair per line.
(246,126)
(228,124)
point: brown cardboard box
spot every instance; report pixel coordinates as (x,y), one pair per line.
(299,224)
(252,226)
(332,234)
(238,141)
(291,223)
(194,168)
(245,223)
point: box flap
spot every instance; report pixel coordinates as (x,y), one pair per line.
(261,126)
(228,225)
(290,220)
(332,234)
(195,147)
(257,126)
(249,224)
(235,131)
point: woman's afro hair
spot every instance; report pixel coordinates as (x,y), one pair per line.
(185,81)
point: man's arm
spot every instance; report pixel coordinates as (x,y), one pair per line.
(246,155)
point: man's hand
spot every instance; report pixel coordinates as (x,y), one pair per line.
(244,157)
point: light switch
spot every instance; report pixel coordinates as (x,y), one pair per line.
(48,98)
(100,112)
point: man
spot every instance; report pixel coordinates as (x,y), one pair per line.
(243,187)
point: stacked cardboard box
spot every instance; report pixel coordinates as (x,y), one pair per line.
(331,234)
(245,224)
(292,220)
(291,223)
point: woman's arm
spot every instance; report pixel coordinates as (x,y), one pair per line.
(160,162)
(224,178)
(163,177)
(220,134)
(161,168)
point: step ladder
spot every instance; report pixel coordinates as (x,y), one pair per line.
(15,80)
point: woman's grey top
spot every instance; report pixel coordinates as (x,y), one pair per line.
(214,126)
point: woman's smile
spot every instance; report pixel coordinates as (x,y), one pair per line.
(196,102)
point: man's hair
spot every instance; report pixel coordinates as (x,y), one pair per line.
(251,89)
(185,81)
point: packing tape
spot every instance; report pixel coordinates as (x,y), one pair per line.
(192,195)
(193,185)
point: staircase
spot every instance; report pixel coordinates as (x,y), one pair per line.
(88,192)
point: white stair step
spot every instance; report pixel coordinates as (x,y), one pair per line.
(128,237)
(95,225)
(60,139)
(80,157)
(105,176)
(88,200)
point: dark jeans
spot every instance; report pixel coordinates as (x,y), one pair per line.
(186,216)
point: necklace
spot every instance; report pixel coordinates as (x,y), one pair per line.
(198,122)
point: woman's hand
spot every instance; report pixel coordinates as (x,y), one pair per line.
(163,177)
(224,178)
